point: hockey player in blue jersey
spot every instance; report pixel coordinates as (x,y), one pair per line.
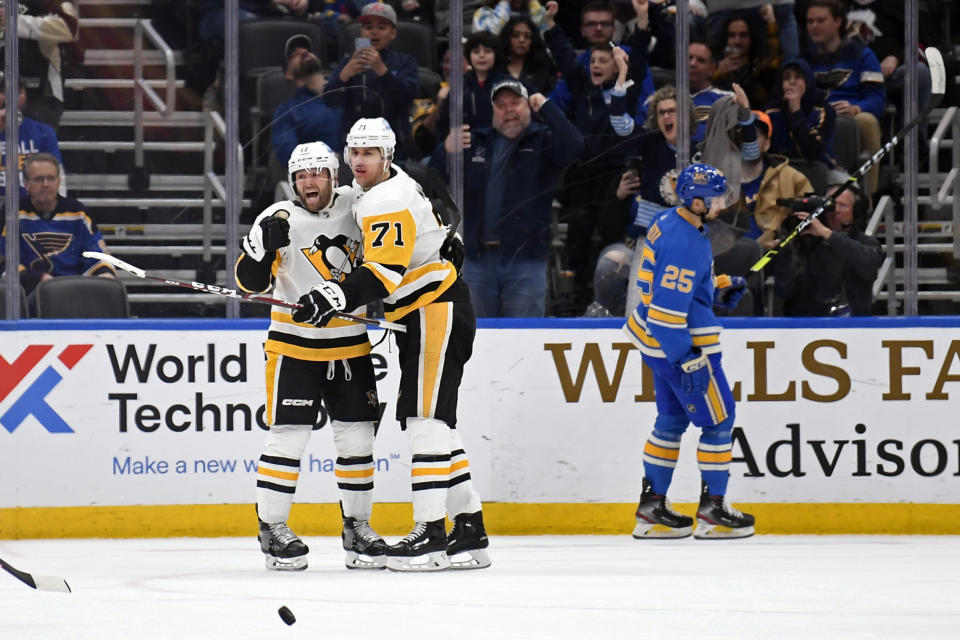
(679,338)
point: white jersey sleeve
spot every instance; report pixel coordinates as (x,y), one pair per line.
(401,244)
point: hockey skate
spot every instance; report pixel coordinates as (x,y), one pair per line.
(365,549)
(283,550)
(657,519)
(468,540)
(716,519)
(424,549)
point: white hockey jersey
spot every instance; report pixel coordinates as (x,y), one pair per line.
(323,246)
(401,243)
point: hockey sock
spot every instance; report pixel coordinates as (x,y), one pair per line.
(279,469)
(354,467)
(462,496)
(430,471)
(714,454)
(662,449)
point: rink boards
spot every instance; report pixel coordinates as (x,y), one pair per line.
(153,428)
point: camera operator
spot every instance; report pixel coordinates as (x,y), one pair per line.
(830,268)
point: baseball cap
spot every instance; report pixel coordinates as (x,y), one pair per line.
(764,119)
(379,10)
(513,85)
(296,41)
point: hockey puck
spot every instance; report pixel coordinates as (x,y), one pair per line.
(286,615)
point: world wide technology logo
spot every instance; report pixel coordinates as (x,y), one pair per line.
(33,400)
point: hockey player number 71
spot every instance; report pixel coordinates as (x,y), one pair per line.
(381,229)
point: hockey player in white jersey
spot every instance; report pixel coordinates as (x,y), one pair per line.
(402,240)
(292,245)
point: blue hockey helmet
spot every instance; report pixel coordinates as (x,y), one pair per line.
(700,181)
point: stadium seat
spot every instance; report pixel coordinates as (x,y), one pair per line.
(413,38)
(846,143)
(430,82)
(272,90)
(261,43)
(816,173)
(3,301)
(82,297)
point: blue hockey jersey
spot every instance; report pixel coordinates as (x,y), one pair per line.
(676,284)
(55,244)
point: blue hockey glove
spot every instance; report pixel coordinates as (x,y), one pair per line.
(695,373)
(319,305)
(729,291)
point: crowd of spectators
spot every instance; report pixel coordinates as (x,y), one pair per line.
(567,165)
(588,141)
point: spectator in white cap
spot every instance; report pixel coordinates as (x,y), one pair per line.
(375,81)
(304,117)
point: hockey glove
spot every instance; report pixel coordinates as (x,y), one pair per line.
(695,373)
(272,233)
(729,291)
(452,250)
(319,305)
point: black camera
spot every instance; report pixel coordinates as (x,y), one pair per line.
(808,203)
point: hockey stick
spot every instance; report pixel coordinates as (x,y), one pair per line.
(938,83)
(231,293)
(42,583)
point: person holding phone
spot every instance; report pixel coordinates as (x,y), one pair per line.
(375,81)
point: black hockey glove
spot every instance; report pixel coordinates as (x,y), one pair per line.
(272,233)
(452,250)
(319,305)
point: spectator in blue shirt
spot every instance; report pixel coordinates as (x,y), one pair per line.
(304,117)
(376,81)
(34,137)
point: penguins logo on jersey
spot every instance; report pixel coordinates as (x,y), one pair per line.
(334,257)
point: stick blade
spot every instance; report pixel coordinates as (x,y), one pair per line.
(117,262)
(51,583)
(938,73)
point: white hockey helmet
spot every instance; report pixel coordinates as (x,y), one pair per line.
(372,132)
(312,155)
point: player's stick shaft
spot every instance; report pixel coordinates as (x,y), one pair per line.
(938,87)
(230,293)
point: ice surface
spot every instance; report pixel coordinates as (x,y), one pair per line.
(557,587)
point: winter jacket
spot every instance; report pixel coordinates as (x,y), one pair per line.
(532,179)
(367,95)
(814,275)
(304,118)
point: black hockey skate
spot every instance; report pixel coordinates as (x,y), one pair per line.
(716,519)
(365,549)
(424,549)
(284,551)
(468,539)
(657,519)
